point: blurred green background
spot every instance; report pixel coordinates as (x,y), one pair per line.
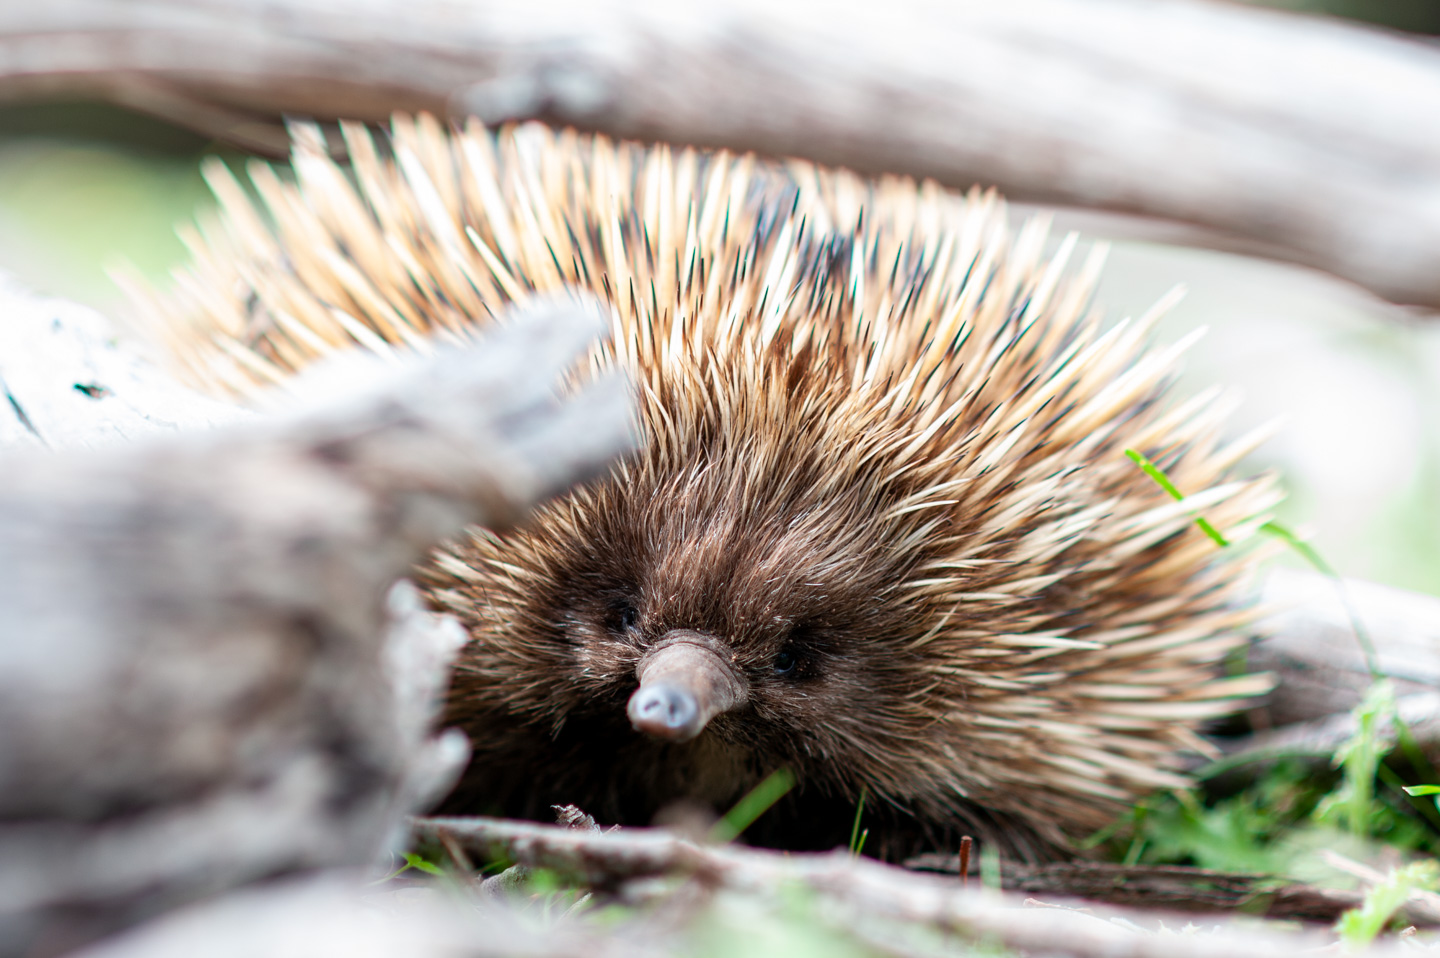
(85,186)
(1356,383)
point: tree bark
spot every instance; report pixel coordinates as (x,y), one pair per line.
(68,382)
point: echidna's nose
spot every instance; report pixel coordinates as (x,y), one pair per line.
(686,679)
(664,711)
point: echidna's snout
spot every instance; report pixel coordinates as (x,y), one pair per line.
(686,680)
(665,711)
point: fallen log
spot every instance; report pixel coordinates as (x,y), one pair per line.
(1297,138)
(201,680)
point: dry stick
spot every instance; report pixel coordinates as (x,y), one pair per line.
(1170,887)
(1319,738)
(609,859)
(1302,139)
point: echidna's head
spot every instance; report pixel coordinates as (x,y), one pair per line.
(734,600)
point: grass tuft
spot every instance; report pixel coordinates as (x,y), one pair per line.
(1353,802)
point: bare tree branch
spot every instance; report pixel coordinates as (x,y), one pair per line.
(1172,887)
(1311,644)
(1304,139)
(328,914)
(1321,737)
(861,887)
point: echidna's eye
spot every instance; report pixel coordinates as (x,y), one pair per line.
(622,617)
(787,662)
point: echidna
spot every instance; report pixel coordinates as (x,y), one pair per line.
(881,530)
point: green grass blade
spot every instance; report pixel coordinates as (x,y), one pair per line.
(990,867)
(1429,810)
(753,805)
(855,839)
(415,861)
(1163,481)
(1306,550)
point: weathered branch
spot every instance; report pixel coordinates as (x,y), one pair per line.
(894,911)
(1322,737)
(858,887)
(1303,139)
(201,682)
(67,381)
(1170,887)
(1311,644)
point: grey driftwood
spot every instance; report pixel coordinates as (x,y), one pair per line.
(68,381)
(1311,644)
(862,896)
(202,681)
(1304,139)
